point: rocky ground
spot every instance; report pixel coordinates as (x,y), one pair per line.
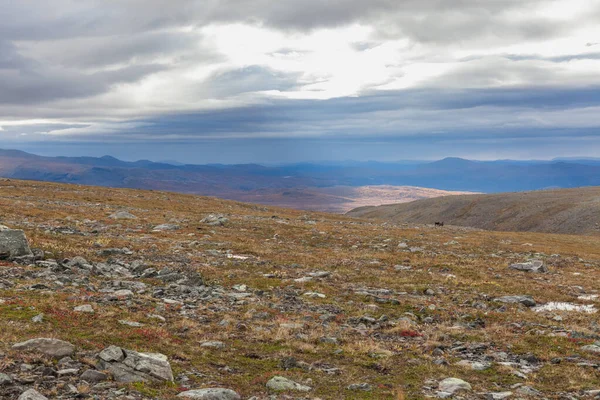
(125,294)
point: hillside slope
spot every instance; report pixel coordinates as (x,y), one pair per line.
(264,303)
(571,211)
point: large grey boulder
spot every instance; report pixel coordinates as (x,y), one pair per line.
(130,366)
(32,394)
(210,394)
(13,243)
(531,266)
(51,347)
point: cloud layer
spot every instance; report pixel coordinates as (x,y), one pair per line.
(466,71)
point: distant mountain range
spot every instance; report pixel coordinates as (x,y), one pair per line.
(571,211)
(263,184)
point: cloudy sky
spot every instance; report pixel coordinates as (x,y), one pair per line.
(288,80)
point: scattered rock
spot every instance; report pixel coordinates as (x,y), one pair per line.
(13,243)
(215,220)
(122,215)
(32,394)
(561,306)
(5,379)
(529,391)
(474,365)
(93,376)
(50,347)
(86,308)
(527,301)
(213,345)
(133,324)
(360,386)
(592,348)
(38,319)
(536,266)
(166,227)
(498,395)
(210,394)
(453,385)
(280,384)
(130,366)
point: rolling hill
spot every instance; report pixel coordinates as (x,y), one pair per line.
(571,211)
(326,186)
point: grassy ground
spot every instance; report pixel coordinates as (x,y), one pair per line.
(464,268)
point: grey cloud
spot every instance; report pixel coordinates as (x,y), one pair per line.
(248,79)
(497,70)
(423,20)
(144,47)
(401,114)
(32,83)
(525,57)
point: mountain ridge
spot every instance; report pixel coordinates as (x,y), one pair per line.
(570,211)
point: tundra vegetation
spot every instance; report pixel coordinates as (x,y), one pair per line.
(131,294)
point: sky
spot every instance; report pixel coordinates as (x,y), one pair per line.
(238,81)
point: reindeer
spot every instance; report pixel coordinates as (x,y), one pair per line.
(439,223)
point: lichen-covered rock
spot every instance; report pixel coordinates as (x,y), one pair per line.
(281,384)
(215,220)
(537,266)
(32,394)
(130,366)
(122,215)
(210,394)
(453,385)
(13,243)
(527,301)
(50,347)
(5,379)
(166,227)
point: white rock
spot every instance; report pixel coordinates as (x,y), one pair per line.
(210,394)
(453,385)
(280,384)
(32,394)
(86,308)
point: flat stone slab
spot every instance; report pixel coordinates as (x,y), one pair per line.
(50,347)
(527,301)
(210,394)
(536,266)
(281,384)
(32,394)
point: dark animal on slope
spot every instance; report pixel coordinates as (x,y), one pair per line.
(439,224)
